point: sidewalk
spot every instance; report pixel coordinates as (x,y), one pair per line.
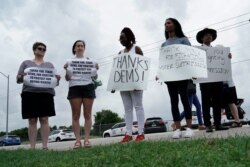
(68,145)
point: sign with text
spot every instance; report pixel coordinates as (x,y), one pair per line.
(129,72)
(180,62)
(40,77)
(218,64)
(81,69)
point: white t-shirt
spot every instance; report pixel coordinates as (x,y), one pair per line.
(83,79)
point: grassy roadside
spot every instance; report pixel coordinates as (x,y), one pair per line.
(234,151)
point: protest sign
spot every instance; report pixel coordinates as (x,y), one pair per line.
(218,64)
(81,69)
(40,77)
(180,62)
(129,72)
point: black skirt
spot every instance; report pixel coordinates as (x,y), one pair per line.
(36,105)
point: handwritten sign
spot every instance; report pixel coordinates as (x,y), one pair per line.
(129,72)
(81,69)
(180,62)
(40,77)
(218,64)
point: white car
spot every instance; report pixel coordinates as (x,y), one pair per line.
(61,135)
(119,129)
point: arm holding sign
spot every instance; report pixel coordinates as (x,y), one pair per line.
(67,76)
(20,73)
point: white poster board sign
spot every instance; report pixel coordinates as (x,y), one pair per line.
(40,77)
(81,69)
(180,62)
(218,64)
(129,72)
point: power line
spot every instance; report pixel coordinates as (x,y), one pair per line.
(226,28)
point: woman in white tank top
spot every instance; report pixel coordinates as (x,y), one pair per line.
(132,99)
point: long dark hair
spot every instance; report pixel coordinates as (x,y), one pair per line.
(129,34)
(178,30)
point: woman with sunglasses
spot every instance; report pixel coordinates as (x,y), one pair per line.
(37,102)
(81,93)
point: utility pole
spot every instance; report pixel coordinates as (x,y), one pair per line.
(7,108)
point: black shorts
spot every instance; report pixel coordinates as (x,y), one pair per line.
(36,105)
(229,95)
(85,91)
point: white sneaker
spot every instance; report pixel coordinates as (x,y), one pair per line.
(177,134)
(188,133)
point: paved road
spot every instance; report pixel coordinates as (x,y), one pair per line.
(68,145)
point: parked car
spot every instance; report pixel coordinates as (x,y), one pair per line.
(10,140)
(119,129)
(61,135)
(154,125)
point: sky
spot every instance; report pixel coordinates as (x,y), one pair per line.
(59,23)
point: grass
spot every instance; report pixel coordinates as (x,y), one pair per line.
(230,152)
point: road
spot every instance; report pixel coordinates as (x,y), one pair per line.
(68,145)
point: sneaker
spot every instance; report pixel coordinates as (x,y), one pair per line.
(126,139)
(140,138)
(209,129)
(188,133)
(177,134)
(220,127)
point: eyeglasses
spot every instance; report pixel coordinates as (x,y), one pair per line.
(41,49)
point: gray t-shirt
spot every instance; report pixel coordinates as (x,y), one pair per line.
(28,63)
(171,41)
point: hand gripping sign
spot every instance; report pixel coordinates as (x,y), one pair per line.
(180,62)
(129,72)
(40,77)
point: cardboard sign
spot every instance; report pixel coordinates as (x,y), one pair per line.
(40,77)
(218,64)
(129,72)
(180,62)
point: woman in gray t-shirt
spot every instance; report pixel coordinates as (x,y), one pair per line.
(37,102)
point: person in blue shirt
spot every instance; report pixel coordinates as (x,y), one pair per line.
(175,35)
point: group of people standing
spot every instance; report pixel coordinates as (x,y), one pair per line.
(81,93)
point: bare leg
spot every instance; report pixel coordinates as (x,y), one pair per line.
(189,123)
(76,110)
(44,121)
(87,104)
(177,124)
(32,132)
(234,111)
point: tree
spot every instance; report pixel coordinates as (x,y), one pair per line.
(104,120)
(106,117)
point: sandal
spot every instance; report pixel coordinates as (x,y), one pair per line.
(77,145)
(87,144)
(236,125)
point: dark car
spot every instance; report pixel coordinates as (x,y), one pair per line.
(10,140)
(154,125)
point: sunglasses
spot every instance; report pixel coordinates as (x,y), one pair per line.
(41,49)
